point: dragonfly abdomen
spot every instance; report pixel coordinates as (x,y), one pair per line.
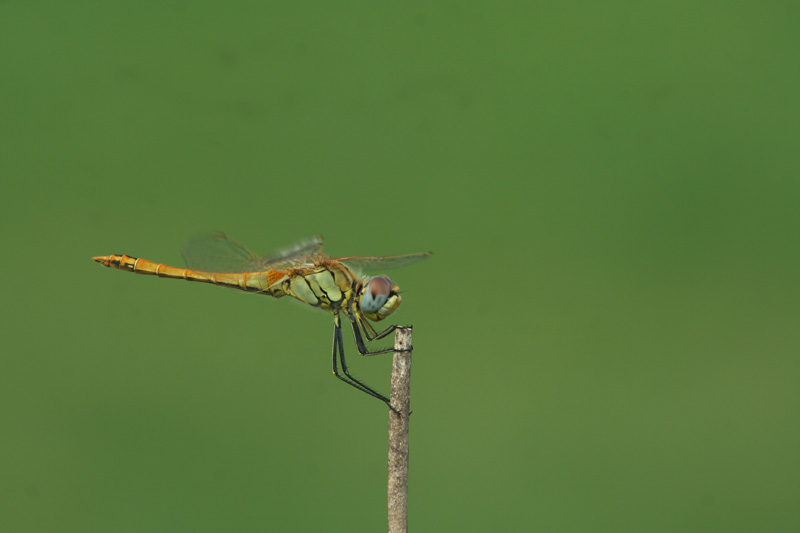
(246,281)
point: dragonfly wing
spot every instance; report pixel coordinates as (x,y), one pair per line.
(299,251)
(387,262)
(216,252)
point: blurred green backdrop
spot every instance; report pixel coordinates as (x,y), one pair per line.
(606,338)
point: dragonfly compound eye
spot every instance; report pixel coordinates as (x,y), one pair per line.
(379,298)
(376,293)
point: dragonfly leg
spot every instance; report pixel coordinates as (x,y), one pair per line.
(362,347)
(359,325)
(369,331)
(338,357)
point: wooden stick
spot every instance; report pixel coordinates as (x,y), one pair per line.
(398,432)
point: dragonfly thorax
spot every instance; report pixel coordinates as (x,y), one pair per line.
(328,286)
(378,298)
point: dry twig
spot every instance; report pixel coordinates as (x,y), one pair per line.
(398,432)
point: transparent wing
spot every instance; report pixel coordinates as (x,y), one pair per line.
(299,251)
(216,252)
(390,261)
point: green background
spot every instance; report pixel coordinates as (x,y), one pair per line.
(606,338)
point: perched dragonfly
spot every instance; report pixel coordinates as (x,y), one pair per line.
(302,271)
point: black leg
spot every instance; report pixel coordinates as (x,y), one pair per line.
(366,327)
(362,348)
(338,354)
(359,325)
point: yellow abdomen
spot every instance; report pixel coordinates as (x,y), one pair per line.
(246,281)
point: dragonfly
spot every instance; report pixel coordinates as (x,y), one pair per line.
(301,271)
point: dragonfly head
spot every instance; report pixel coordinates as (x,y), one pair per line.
(378,298)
